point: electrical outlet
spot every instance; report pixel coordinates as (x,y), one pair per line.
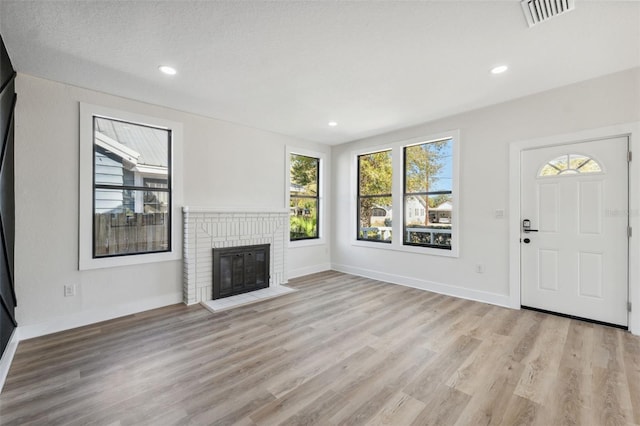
(480,268)
(69,290)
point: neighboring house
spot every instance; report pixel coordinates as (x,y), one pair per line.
(441,213)
(380,215)
(415,213)
(414,209)
(128,155)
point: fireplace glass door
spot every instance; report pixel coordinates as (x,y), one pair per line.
(239,270)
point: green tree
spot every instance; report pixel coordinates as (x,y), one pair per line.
(438,199)
(375,173)
(304,172)
(423,163)
(303,197)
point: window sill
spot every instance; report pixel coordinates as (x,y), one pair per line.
(395,246)
(108,262)
(307,243)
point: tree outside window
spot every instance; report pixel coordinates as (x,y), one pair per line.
(428,199)
(374,196)
(304,199)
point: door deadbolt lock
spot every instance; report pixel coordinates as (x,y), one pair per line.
(526,226)
(526,241)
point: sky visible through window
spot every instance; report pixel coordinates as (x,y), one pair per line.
(443,181)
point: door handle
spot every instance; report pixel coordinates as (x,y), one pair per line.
(526,226)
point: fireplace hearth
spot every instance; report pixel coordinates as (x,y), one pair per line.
(238,270)
(206,228)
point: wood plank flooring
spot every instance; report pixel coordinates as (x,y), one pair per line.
(343,350)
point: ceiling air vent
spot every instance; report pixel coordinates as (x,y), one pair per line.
(537,11)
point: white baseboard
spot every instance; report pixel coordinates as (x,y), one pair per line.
(449,290)
(90,317)
(7,357)
(307,270)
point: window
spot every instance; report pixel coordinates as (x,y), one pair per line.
(375,197)
(570,164)
(427,195)
(129,188)
(416,182)
(304,198)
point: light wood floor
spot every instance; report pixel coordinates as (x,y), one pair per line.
(342,350)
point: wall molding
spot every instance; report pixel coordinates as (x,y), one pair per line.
(83,318)
(78,320)
(448,290)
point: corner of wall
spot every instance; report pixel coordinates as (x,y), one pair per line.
(307,270)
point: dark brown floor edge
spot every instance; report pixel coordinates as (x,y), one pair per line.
(608,324)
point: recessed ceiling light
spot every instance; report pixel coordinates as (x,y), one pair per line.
(499,69)
(333,123)
(167,70)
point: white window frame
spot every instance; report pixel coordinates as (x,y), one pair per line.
(397,196)
(322,211)
(86,260)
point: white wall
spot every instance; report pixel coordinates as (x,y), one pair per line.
(224,165)
(227,165)
(485,137)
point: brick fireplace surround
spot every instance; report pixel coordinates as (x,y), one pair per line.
(208,228)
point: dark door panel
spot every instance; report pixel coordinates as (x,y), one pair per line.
(7,198)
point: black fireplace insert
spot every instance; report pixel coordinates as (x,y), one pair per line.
(238,270)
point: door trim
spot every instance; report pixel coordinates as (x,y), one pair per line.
(559,314)
(630,130)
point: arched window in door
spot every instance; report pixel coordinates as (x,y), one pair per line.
(570,164)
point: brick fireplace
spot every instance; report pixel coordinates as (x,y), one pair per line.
(207,228)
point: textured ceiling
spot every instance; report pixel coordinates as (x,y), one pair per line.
(290,67)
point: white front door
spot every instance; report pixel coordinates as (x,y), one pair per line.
(576,197)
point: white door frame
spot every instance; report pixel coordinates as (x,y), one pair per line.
(632,130)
